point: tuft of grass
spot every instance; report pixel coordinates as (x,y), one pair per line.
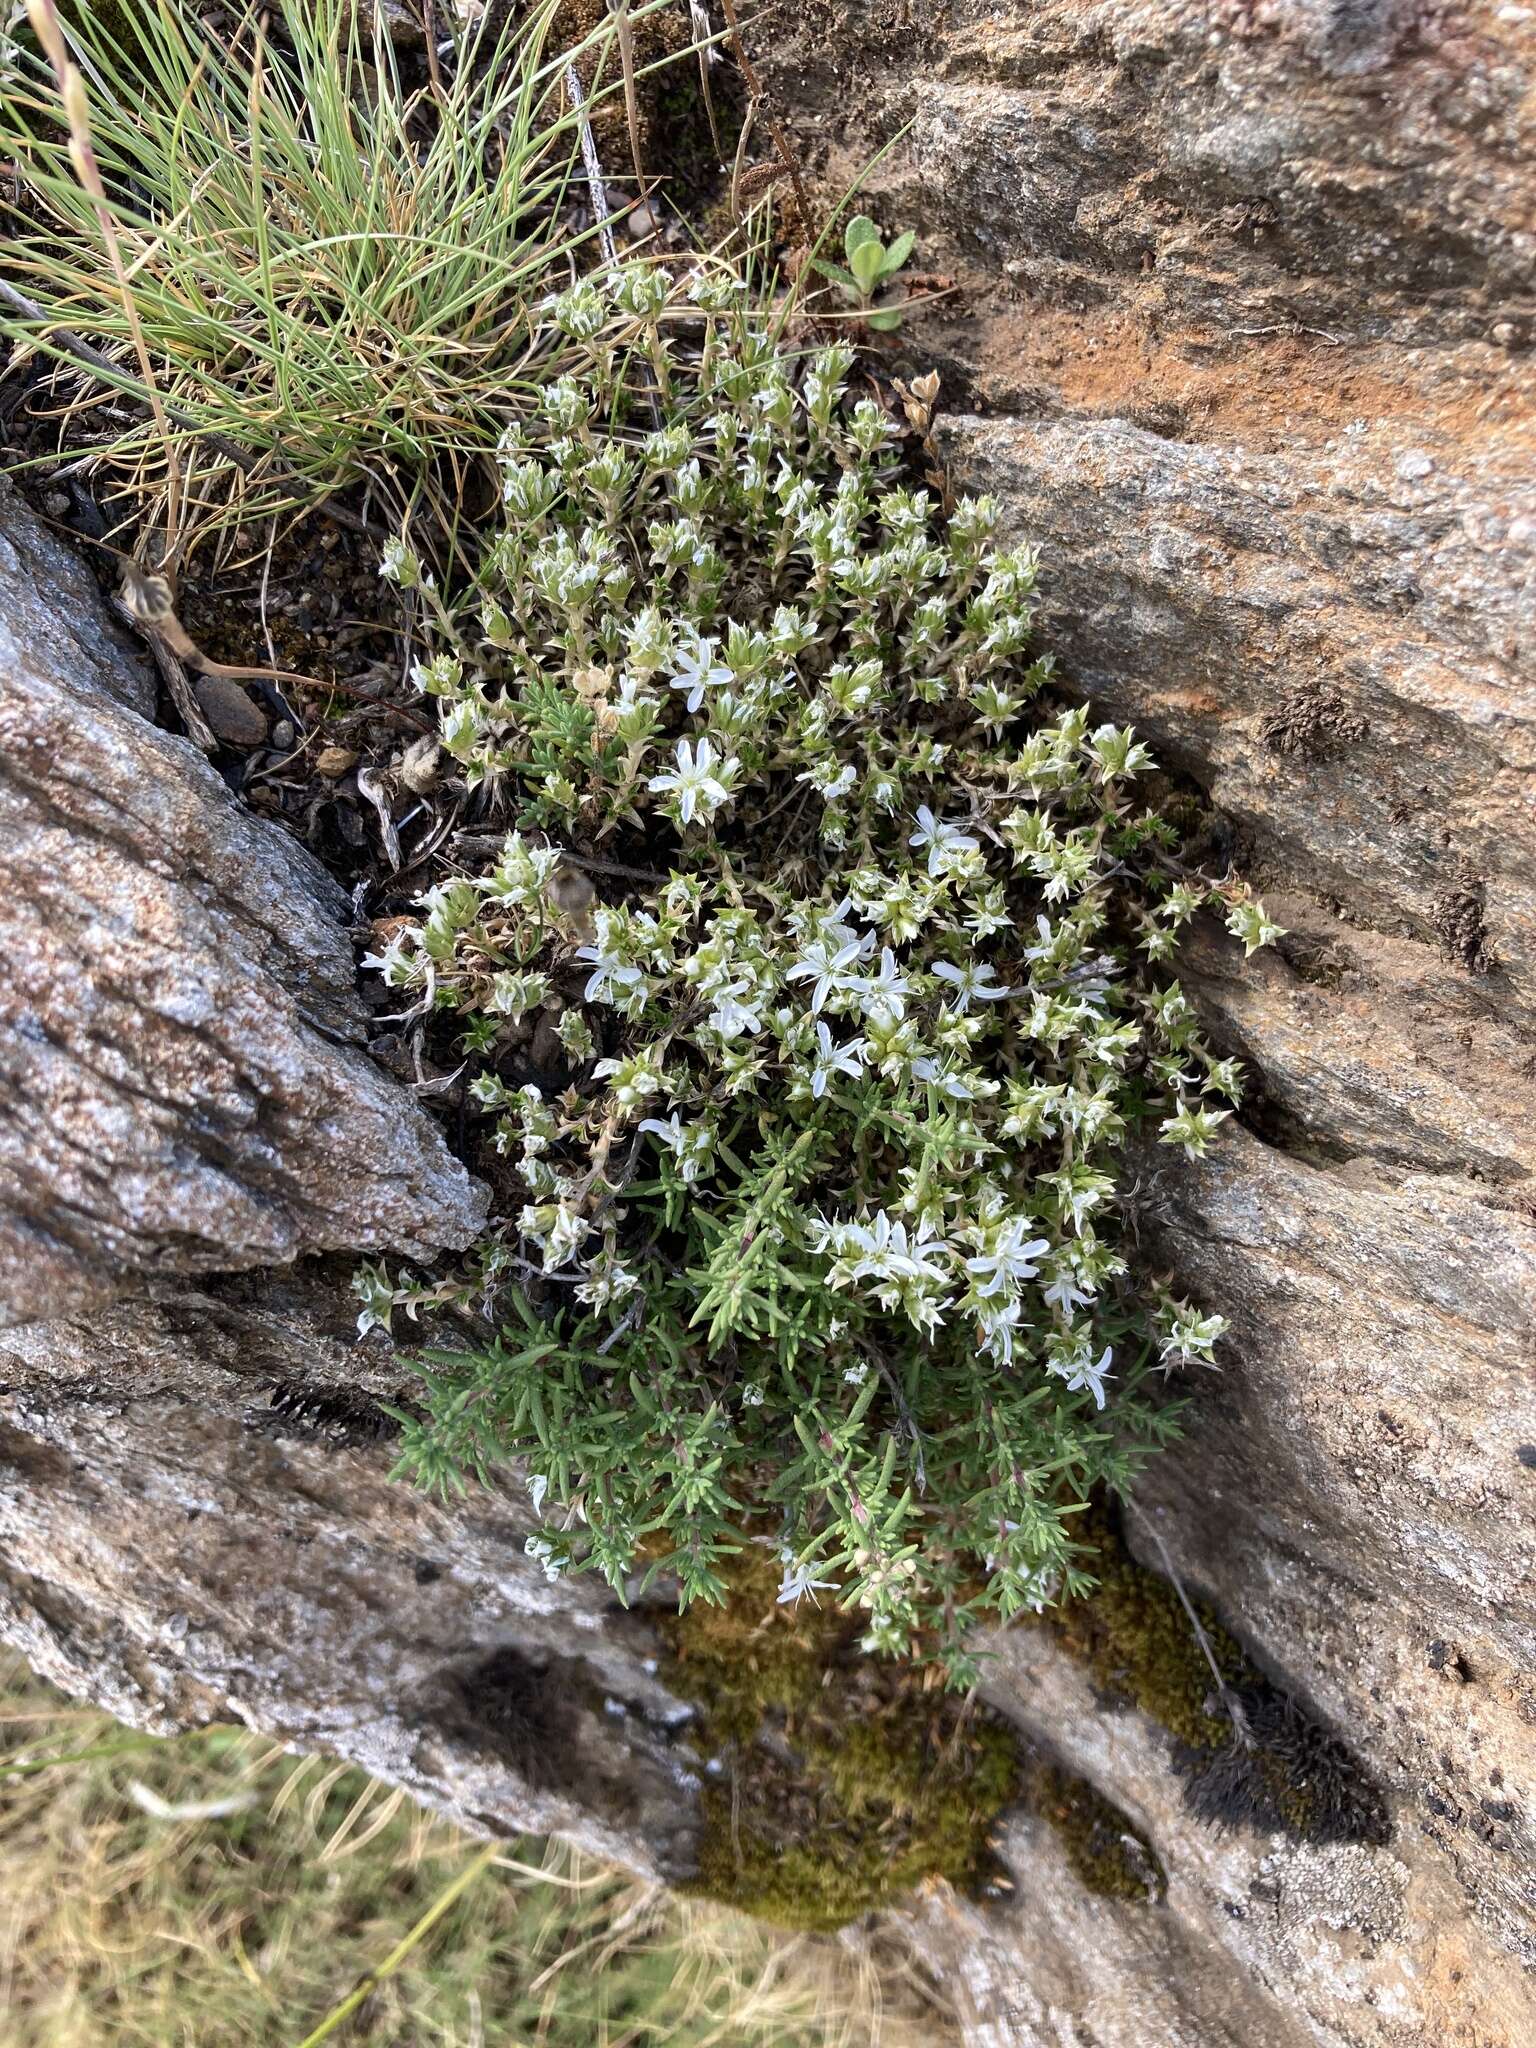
(332,268)
(213,1889)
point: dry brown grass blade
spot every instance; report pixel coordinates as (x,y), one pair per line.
(44,18)
(624,31)
(702,38)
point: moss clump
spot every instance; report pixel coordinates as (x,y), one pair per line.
(1110,1855)
(1134,1636)
(1281,1769)
(837,1782)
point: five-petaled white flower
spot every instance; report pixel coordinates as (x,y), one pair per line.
(698,671)
(884,994)
(834,1059)
(694,781)
(946,844)
(976,981)
(830,967)
(1010,1262)
(1085,1374)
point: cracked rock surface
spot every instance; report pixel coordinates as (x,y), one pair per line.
(197,1524)
(182,1084)
(1242,342)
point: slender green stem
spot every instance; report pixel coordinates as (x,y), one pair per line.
(119,1747)
(403,1947)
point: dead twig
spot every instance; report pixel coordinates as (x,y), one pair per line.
(592,165)
(174,676)
(149,601)
(754,84)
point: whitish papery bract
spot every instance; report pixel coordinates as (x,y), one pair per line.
(819,987)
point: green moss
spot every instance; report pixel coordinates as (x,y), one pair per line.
(1110,1855)
(841,1782)
(1134,1636)
(1283,1770)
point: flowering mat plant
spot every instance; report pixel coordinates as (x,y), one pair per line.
(814,995)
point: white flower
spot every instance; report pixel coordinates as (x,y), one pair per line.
(883,995)
(834,1059)
(856,1375)
(611,973)
(1082,1373)
(947,845)
(694,781)
(886,1252)
(829,780)
(798,1580)
(557,1229)
(976,981)
(698,671)
(830,966)
(693,1144)
(607,1279)
(752,1397)
(542,1551)
(1010,1262)
(948,1083)
(730,1016)
(1063,1292)
(998,1326)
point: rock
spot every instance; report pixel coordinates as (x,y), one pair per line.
(51,615)
(1260,1942)
(181,1073)
(1325,647)
(1243,346)
(231,710)
(197,1523)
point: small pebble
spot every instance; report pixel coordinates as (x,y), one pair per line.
(1414,465)
(57,504)
(235,716)
(332,762)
